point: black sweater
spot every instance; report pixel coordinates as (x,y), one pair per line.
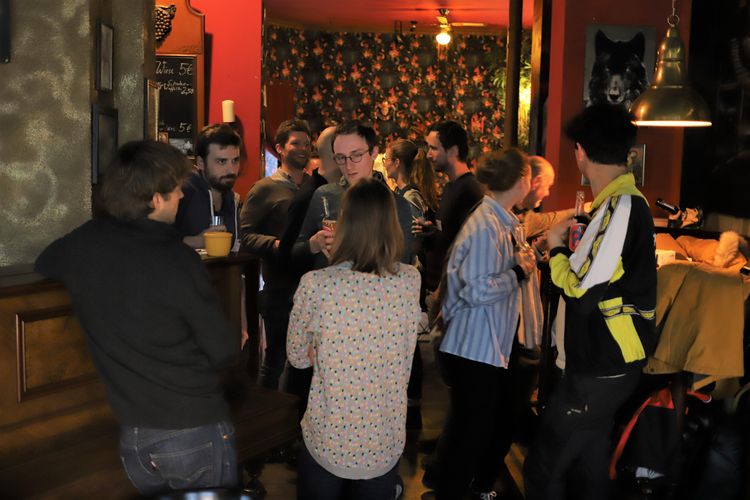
(153,323)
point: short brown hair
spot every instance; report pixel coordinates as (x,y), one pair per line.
(500,171)
(287,127)
(141,169)
(221,134)
(368,233)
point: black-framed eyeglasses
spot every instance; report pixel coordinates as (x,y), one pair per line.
(355,157)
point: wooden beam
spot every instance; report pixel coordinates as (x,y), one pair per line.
(540,37)
(512,73)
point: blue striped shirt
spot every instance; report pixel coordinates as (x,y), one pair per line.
(483,299)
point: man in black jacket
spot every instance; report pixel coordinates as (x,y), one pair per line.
(609,286)
(153,324)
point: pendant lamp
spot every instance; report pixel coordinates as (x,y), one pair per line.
(669,101)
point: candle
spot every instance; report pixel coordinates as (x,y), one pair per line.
(227,111)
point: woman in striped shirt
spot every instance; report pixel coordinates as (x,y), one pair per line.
(481,310)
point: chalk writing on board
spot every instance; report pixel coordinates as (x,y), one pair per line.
(177,100)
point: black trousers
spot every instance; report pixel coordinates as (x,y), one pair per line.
(275,308)
(414,388)
(476,430)
(316,483)
(572,448)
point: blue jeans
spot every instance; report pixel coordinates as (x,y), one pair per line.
(159,460)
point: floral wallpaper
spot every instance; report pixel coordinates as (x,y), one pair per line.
(399,84)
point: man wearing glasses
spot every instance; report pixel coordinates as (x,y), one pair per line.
(354,150)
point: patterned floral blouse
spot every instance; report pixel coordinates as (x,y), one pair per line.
(363,328)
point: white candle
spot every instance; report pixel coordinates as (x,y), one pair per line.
(227,111)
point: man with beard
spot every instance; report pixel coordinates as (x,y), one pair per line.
(208,192)
(262,222)
(448,149)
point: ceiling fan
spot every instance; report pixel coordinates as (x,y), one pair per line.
(443,21)
(444,36)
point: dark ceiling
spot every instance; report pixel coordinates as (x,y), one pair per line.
(381,15)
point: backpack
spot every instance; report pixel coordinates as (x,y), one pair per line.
(651,439)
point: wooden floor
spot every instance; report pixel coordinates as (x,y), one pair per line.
(280,479)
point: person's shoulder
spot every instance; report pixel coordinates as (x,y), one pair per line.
(319,277)
(408,272)
(330,188)
(640,210)
(401,200)
(407,277)
(261,186)
(471,184)
(192,184)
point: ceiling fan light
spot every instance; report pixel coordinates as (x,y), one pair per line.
(443,38)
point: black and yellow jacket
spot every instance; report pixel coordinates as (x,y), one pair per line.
(609,285)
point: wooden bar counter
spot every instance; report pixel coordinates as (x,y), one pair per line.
(58,436)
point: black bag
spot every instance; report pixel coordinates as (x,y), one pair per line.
(651,439)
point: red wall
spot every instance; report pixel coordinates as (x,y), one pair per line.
(567,51)
(235,66)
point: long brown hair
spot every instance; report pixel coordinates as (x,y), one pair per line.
(367,232)
(417,168)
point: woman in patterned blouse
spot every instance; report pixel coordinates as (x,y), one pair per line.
(356,323)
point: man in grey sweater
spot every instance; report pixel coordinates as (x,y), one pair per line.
(262,222)
(355,149)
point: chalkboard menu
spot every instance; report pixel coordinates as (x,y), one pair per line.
(178,100)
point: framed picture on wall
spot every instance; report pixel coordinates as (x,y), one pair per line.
(619,63)
(4,31)
(637,163)
(105,52)
(103,140)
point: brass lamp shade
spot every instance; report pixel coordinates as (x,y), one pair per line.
(669,101)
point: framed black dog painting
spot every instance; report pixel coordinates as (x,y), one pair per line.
(619,63)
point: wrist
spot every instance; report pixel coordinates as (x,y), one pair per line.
(520,274)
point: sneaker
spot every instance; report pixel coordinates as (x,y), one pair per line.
(399,487)
(487,495)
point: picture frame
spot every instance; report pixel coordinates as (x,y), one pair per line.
(104,56)
(151,111)
(619,63)
(637,163)
(4,31)
(103,140)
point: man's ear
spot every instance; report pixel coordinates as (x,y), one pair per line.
(452,152)
(200,163)
(536,181)
(157,200)
(580,152)
(279,149)
(375,152)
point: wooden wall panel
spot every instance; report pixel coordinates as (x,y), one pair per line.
(51,352)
